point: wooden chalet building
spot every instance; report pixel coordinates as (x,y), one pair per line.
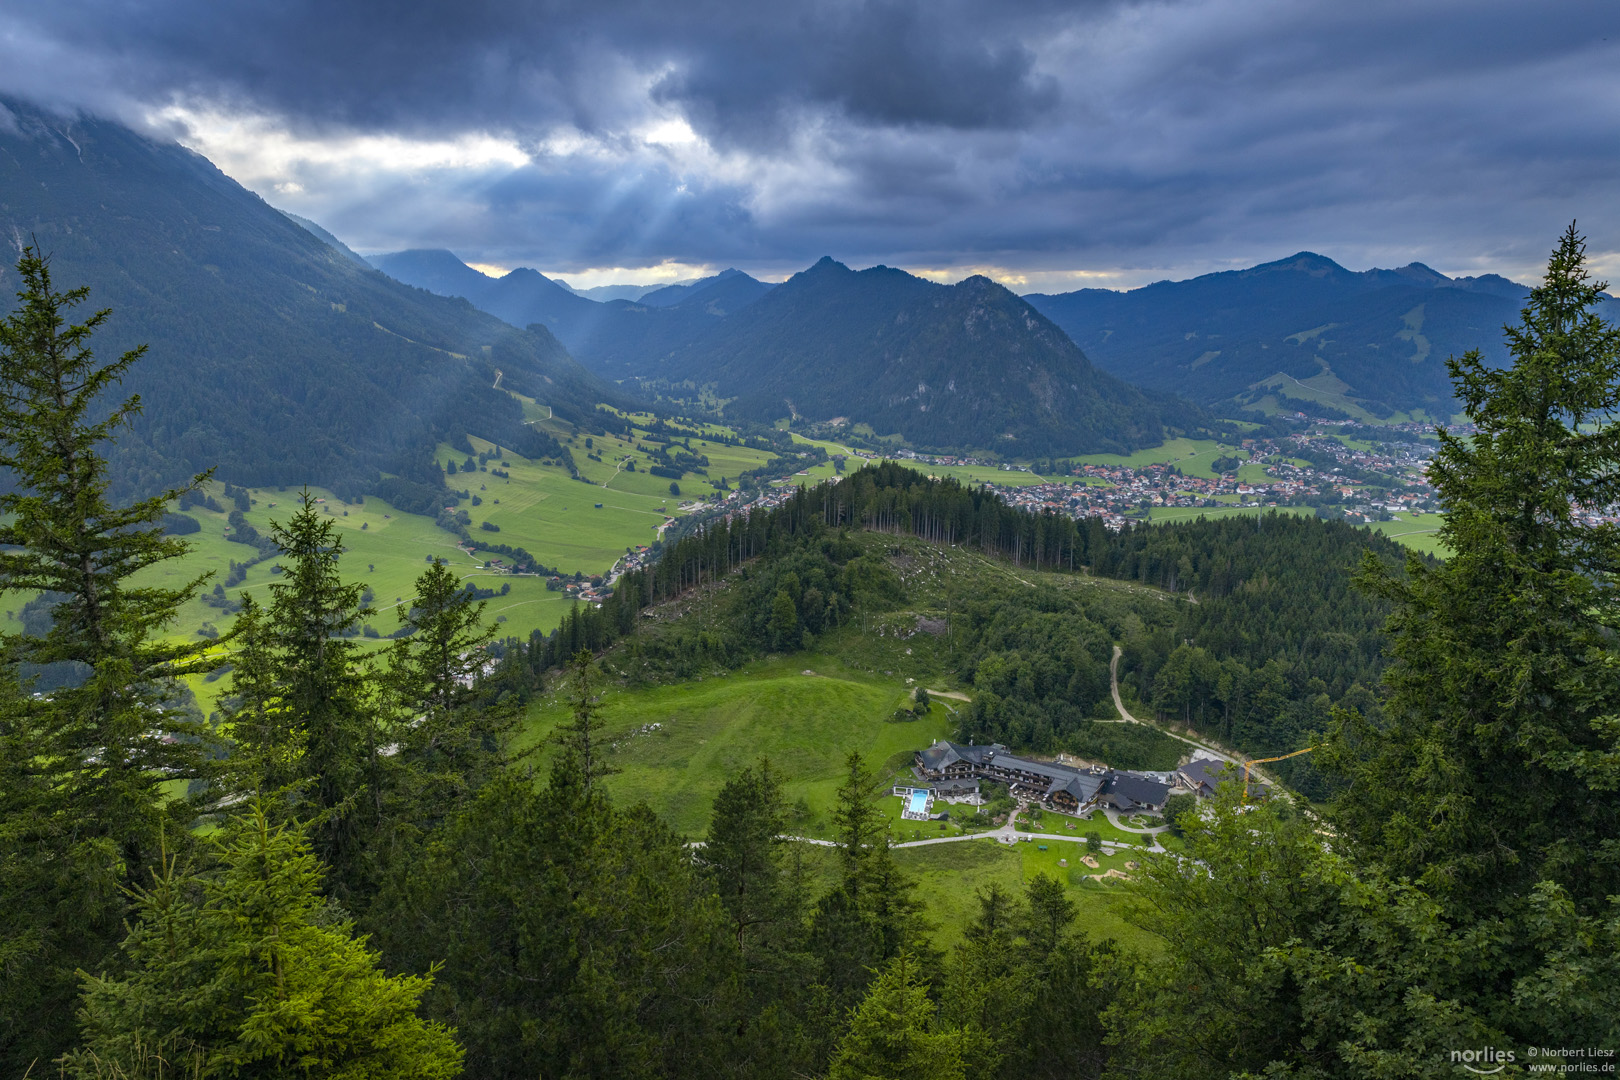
(1067,789)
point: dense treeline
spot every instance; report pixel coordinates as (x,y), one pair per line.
(1038,660)
(812,583)
(1279,633)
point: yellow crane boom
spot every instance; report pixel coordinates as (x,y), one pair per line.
(1264,760)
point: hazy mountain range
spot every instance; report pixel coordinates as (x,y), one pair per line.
(964,366)
(614,337)
(604,293)
(1299,332)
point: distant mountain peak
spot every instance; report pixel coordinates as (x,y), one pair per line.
(1308,262)
(964,365)
(442,256)
(1419,274)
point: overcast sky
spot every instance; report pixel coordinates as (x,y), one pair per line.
(1051,145)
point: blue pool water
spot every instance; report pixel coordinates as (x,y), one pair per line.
(919,802)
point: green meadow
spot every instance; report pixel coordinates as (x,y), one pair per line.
(1191,456)
(713,726)
(950,876)
(1416,531)
(536,506)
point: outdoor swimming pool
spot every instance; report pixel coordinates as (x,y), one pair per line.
(919,802)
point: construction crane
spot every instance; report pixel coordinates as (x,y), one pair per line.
(1264,760)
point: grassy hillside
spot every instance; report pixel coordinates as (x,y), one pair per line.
(711,727)
(674,746)
(949,877)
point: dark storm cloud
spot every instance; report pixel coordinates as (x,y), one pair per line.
(1153,138)
(522,66)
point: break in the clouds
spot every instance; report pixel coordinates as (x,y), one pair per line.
(1053,145)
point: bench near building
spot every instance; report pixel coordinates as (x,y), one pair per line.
(1067,789)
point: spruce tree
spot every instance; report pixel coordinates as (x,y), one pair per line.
(578,768)
(988,988)
(449,738)
(745,856)
(759,878)
(893,1034)
(267,751)
(870,915)
(324,692)
(858,825)
(1047,914)
(241,970)
(85,802)
(1496,768)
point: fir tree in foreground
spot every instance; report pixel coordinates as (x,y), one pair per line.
(893,1034)
(243,970)
(85,765)
(1506,682)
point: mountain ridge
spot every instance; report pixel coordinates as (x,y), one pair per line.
(1372,339)
(788,349)
(969,365)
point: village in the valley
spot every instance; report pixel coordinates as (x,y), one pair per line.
(1316,469)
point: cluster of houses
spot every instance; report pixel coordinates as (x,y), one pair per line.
(1114,492)
(953,771)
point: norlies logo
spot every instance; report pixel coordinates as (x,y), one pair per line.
(1477,1060)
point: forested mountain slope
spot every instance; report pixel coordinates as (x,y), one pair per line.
(330,240)
(1384,334)
(272,355)
(965,365)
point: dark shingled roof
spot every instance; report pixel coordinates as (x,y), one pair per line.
(1137,789)
(945,754)
(1082,785)
(1207,771)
